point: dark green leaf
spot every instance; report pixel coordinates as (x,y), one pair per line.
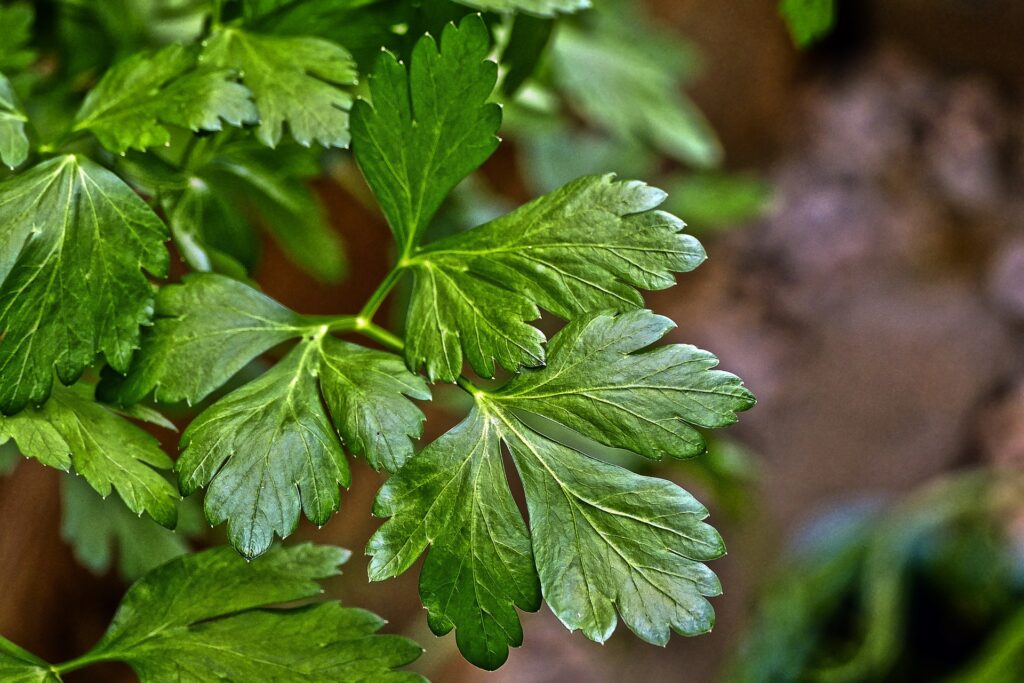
(16,19)
(205,617)
(73,242)
(427,128)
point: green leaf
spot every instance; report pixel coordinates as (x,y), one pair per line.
(589,245)
(600,536)
(294,79)
(98,531)
(19,666)
(17,19)
(711,201)
(138,97)
(454,496)
(427,128)
(13,141)
(543,8)
(272,446)
(600,383)
(207,617)
(808,20)
(600,69)
(71,429)
(73,242)
(205,331)
(365,391)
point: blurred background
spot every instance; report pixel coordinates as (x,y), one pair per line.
(861,198)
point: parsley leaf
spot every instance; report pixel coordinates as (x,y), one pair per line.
(205,616)
(599,536)
(71,429)
(587,246)
(427,128)
(272,446)
(294,79)
(73,241)
(543,8)
(650,403)
(13,141)
(134,100)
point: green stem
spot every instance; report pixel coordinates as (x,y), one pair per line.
(85,660)
(334,323)
(381,293)
(380,335)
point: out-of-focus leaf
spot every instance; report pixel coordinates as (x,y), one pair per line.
(708,201)
(16,24)
(808,20)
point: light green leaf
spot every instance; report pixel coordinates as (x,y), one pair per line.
(71,429)
(73,242)
(543,8)
(601,69)
(19,666)
(294,79)
(206,617)
(206,330)
(13,141)
(602,539)
(601,383)
(138,97)
(808,20)
(454,497)
(99,531)
(427,128)
(589,245)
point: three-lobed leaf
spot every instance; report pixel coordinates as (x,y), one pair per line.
(602,539)
(74,240)
(271,447)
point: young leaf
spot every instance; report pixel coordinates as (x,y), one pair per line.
(543,8)
(294,79)
(601,538)
(71,429)
(99,531)
(13,141)
(208,617)
(73,242)
(272,446)
(599,383)
(135,99)
(427,128)
(589,245)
